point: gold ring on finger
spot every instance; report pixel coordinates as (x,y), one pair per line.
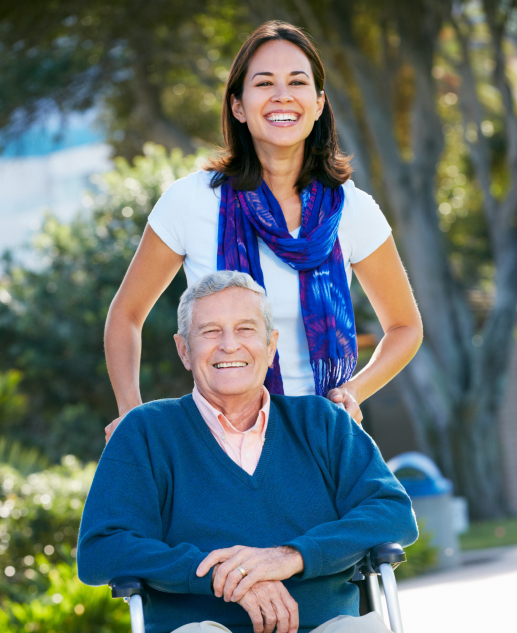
(243,571)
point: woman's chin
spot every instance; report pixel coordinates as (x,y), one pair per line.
(282,138)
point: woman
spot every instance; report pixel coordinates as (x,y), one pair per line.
(279,204)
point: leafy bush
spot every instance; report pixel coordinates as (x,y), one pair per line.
(52,320)
(66,606)
(421,556)
(40,512)
(40,516)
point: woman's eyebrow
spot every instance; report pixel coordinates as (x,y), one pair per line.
(294,72)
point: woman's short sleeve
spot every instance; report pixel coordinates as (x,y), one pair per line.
(369,228)
(168,217)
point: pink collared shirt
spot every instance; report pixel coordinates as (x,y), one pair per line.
(244,447)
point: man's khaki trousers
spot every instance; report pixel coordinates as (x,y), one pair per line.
(370,623)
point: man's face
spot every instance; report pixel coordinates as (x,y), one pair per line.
(229,354)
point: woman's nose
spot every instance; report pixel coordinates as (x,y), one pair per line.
(283,95)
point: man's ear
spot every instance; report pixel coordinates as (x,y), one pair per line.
(181,346)
(237,109)
(272,347)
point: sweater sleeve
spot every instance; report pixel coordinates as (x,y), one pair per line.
(372,505)
(121,528)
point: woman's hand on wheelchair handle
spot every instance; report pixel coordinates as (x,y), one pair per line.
(270,605)
(347,397)
(108,430)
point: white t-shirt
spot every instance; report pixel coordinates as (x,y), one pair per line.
(186,219)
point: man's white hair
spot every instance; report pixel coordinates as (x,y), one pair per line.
(217,282)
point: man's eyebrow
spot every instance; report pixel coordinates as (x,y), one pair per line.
(215,323)
(294,72)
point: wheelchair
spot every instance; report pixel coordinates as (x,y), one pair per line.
(381,559)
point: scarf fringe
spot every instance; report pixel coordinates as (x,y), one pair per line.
(331,373)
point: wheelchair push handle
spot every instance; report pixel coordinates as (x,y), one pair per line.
(388,553)
(126,586)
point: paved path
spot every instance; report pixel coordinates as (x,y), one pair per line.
(478,597)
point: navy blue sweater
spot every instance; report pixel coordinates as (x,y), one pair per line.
(165,495)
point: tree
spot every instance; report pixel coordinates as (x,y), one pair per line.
(52,320)
(419,89)
(387,94)
(155,69)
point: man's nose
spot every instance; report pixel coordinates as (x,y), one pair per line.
(229,342)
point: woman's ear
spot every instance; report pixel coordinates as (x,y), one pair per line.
(237,109)
(320,100)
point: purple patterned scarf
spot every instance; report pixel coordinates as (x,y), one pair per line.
(324,294)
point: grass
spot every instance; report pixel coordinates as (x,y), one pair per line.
(484,534)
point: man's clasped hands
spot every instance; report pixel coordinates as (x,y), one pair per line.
(258,589)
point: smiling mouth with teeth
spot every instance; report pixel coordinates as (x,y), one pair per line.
(280,118)
(234,364)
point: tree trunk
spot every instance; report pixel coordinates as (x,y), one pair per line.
(452,389)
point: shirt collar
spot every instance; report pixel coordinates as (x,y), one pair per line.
(217,420)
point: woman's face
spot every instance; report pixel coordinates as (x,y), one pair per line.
(279,100)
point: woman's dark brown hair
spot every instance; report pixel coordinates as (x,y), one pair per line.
(323,159)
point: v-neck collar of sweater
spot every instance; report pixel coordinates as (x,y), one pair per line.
(254,480)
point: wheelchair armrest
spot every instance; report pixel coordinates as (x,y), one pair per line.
(126,586)
(391,553)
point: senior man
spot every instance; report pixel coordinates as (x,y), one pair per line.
(239,510)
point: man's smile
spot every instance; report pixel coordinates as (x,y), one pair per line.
(236,363)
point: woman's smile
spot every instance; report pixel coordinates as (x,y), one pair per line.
(283,118)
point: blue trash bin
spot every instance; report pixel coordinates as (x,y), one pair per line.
(431,496)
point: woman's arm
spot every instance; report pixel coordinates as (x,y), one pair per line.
(153,268)
(384,280)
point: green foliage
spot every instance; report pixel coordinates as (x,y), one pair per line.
(151,67)
(40,523)
(67,605)
(421,556)
(25,460)
(13,404)
(39,587)
(51,325)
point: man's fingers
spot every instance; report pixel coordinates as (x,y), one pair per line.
(282,614)
(232,580)
(269,615)
(246,584)
(224,574)
(217,556)
(252,607)
(292,607)
(263,593)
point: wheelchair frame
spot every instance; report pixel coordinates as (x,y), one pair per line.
(382,559)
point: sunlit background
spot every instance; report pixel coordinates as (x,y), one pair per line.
(102,106)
